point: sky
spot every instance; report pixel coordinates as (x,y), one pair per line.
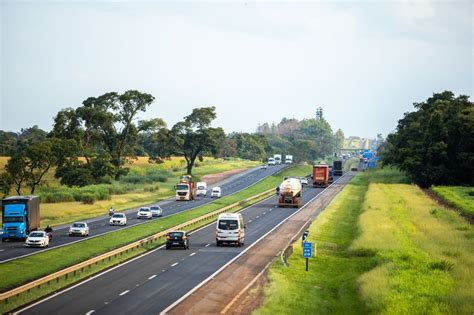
(364,62)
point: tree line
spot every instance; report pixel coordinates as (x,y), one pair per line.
(434,144)
(95,142)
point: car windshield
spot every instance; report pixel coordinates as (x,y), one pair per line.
(176,234)
(228,224)
(36,234)
(12,219)
(181,187)
(144,209)
(155,208)
(216,190)
(118,215)
(78,225)
(201,187)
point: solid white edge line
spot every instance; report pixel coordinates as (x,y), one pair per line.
(129,226)
(124,292)
(164,312)
(122,264)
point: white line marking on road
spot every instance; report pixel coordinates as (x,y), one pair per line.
(270,210)
(207,245)
(163,270)
(249,221)
(2,250)
(151,277)
(182,259)
(257,217)
(137,285)
(124,292)
(166,310)
(192,254)
(174,264)
(264,213)
(90,312)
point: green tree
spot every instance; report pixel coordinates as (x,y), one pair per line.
(228,148)
(434,145)
(191,138)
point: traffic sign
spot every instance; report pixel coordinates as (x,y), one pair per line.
(304,237)
(307,250)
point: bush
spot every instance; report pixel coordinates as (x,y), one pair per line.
(88,198)
(56,196)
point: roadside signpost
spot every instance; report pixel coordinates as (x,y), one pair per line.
(307,252)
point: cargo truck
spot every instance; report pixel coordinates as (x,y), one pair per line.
(288,159)
(185,188)
(320,175)
(289,193)
(331,175)
(277,158)
(337,168)
(20,216)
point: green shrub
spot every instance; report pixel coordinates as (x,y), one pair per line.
(88,198)
(56,196)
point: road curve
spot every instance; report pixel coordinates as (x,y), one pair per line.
(151,283)
(100,225)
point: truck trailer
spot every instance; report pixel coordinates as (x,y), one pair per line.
(20,216)
(320,175)
(277,158)
(185,188)
(288,159)
(289,193)
(337,168)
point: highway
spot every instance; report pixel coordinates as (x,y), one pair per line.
(100,225)
(152,282)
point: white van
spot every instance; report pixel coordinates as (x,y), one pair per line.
(216,192)
(230,229)
(201,189)
(271,161)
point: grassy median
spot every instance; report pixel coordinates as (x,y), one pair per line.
(383,247)
(462,198)
(45,263)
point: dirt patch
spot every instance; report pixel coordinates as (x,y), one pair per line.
(446,205)
(230,291)
(214,178)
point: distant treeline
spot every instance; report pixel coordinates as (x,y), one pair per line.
(93,143)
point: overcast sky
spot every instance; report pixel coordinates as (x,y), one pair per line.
(364,62)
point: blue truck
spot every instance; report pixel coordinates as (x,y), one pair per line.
(20,216)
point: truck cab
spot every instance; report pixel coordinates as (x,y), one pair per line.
(185,188)
(277,158)
(288,159)
(20,216)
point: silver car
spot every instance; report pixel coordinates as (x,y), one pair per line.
(156,211)
(144,213)
(79,228)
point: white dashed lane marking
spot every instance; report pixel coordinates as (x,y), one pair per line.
(174,264)
(192,254)
(90,312)
(152,277)
(124,292)
(207,245)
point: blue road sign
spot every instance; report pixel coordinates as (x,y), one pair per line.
(371,164)
(307,250)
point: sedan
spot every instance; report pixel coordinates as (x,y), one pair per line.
(144,213)
(118,219)
(37,238)
(79,228)
(156,211)
(177,239)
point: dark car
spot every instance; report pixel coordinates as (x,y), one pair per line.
(177,239)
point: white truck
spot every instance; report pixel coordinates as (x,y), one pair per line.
(277,158)
(288,159)
(271,161)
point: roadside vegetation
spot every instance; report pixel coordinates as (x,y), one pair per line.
(144,184)
(461,198)
(383,247)
(56,259)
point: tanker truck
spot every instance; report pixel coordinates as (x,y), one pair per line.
(289,193)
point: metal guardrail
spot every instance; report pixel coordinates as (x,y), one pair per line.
(120,251)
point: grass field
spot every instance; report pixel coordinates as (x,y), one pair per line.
(383,247)
(65,212)
(459,197)
(56,259)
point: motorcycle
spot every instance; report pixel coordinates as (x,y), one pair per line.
(111,212)
(50,235)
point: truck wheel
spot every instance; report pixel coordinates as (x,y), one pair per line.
(4,240)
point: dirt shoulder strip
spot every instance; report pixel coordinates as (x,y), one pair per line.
(226,292)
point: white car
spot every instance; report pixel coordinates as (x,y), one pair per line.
(118,219)
(79,228)
(264,166)
(37,238)
(304,180)
(156,211)
(216,192)
(271,161)
(144,213)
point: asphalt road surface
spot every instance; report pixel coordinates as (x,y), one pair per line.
(100,225)
(151,283)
